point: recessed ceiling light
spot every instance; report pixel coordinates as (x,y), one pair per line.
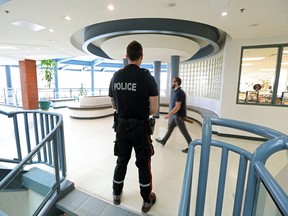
(224,13)
(67,17)
(29,25)
(51,30)
(110,7)
(53,41)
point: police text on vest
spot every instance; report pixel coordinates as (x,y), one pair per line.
(125,86)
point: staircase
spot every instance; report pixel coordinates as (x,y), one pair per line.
(78,203)
(25,193)
(29,188)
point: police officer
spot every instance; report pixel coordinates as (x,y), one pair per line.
(134,94)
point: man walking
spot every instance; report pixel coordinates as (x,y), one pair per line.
(134,94)
(178,114)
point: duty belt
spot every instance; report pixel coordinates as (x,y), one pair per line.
(131,122)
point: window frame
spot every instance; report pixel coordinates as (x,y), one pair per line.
(279,58)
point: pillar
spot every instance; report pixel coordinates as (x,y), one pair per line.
(29,87)
(174,72)
(56,93)
(157,72)
(92,78)
(125,62)
(9,84)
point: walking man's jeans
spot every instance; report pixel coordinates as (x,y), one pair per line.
(177,121)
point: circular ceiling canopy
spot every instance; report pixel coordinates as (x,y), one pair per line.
(155,47)
(160,38)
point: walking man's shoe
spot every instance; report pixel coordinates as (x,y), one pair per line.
(185,150)
(116,199)
(160,141)
(147,206)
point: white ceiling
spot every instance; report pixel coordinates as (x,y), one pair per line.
(245,19)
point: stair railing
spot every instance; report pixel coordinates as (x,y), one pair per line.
(39,139)
(256,171)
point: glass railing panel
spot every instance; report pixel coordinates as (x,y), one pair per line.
(265,205)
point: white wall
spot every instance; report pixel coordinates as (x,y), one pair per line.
(269,116)
(206,103)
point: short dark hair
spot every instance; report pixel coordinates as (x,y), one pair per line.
(178,80)
(134,50)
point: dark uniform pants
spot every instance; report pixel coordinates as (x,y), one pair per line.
(133,136)
(177,121)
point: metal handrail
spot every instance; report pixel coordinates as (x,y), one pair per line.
(55,137)
(258,172)
(206,142)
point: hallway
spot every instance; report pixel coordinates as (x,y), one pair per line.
(90,165)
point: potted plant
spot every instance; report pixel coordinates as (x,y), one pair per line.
(47,74)
(82,91)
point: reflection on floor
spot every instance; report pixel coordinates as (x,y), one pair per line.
(90,164)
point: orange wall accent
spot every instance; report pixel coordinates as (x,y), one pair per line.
(29,87)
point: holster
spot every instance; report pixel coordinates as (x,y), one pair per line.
(115,124)
(151,125)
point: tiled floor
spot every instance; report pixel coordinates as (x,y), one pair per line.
(90,164)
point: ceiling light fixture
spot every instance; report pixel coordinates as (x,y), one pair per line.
(110,7)
(29,25)
(247,64)
(267,69)
(51,30)
(224,13)
(67,18)
(8,47)
(253,59)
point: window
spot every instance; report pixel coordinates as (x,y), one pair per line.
(263,75)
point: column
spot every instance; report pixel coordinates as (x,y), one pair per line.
(157,72)
(29,88)
(92,77)
(174,72)
(125,62)
(9,85)
(56,93)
